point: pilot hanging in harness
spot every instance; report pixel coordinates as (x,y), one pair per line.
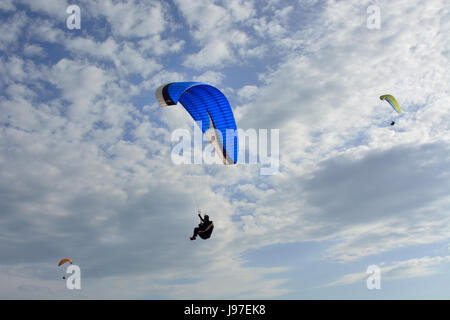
(204,228)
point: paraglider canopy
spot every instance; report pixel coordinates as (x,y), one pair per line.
(392,101)
(209,107)
(64,261)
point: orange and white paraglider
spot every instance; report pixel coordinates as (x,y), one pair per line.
(64,261)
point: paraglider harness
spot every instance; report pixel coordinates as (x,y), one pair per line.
(204,228)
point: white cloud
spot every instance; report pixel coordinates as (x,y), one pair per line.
(46,30)
(55,9)
(160,47)
(211,77)
(413,268)
(33,50)
(80,84)
(218,35)
(214,54)
(132,19)
(248,92)
(7,5)
(11,30)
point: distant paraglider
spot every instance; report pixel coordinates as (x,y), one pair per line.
(62,262)
(393,102)
(209,106)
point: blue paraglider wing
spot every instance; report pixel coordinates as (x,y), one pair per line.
(208,105)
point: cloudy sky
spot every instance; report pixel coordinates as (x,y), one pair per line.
(85,149)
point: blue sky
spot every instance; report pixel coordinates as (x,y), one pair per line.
(86,172)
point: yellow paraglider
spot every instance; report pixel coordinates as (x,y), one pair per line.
(392,101)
